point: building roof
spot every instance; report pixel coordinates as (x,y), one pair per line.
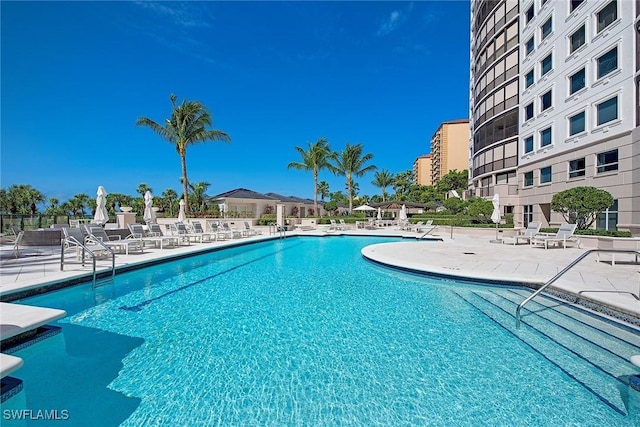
(290,199)
(242,193)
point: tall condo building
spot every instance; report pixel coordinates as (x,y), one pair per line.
(449,149)
(422,170)
(576,107)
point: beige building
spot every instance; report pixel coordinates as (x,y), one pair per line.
(422,170)
(449,149)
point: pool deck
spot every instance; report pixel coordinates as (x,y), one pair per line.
(458,256)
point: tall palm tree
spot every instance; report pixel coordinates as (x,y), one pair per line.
(186,126)
(351,162)
(170,195)
(315,159)
(383,179)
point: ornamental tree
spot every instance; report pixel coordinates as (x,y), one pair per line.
(581,205)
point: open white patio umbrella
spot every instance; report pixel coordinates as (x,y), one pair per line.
(102,215)
(495,215)
(364,208)
(149,215)
(181,214)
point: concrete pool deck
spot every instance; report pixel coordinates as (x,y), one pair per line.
(463,256)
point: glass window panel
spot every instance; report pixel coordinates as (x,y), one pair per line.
(528,111)
(545,175)
(528,144)
(545,137)
(528,179)
(574,4)
(545,101)
(546,65)
(529,14)
(608,62)
(528,79)
(577,81)
(607,161)
(607,15)
(607,111)
(576,168)
(576,123)
(529,46)
(546,28)
(577,39)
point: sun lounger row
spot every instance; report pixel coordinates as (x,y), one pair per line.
(564,236)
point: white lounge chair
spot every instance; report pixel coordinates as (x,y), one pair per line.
(564,236)
(138,232)
(115,242)
(156,231)
(533,228)
(198,230)
(74,238)
(217,231)
(251,231)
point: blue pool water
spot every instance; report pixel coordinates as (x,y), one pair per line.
(304,331)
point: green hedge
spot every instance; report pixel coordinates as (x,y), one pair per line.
(606,233)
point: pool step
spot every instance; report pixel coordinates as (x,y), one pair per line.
(599,369)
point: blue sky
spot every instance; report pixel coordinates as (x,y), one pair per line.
(76,76)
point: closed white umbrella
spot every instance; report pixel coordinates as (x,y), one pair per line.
(149,215)
(181,214)
(495,215)
(102,215)
(403,213)
(379,213)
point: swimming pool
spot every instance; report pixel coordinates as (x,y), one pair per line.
(304,331)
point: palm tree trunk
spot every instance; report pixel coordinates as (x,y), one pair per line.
(349,186)
(315,191)
(185,182)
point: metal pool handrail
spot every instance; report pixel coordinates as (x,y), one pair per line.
(93,256)
(564,270)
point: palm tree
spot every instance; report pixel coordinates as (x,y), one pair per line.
(351,162)
(198,189)
(187,126)
(383,179)
(142,189)
(323,189)
(316,158)
(170,195)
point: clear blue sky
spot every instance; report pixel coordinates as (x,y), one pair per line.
(77,75)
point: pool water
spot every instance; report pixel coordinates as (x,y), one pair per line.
(301,331)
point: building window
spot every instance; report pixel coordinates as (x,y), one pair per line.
(529,14)
(528,112)
(528,144)
(528,79)
(545,30)
(608,220)
(607,161)
(577,39)
(608,62)
(576,124)
(574,4)
(528,179)
(545,100)
(545,137)
(576,168)
(607,15)
(577,81)
(529,46)
(607,111)
(528,214)
(545,65)
(545,175)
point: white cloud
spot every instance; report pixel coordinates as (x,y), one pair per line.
(395,19)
